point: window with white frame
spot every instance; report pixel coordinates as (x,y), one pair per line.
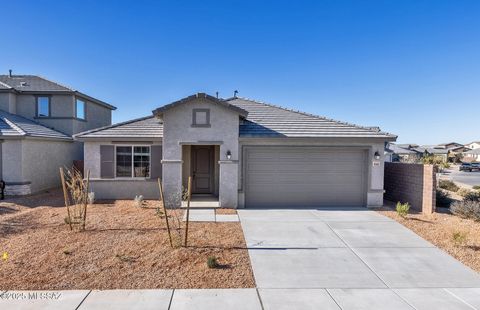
(133,161)
(80,109)
(43,106)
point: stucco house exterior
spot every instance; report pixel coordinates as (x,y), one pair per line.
(242,152)
(473,145)
(37,120)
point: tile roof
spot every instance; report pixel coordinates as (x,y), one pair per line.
(145,127)
(398,149)
(222,102)
(474,151)
(35,83)
(266,120)
(32,83)
(12,125)
(431,150)
(263,121)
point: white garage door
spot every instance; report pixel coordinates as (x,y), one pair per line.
(279,177)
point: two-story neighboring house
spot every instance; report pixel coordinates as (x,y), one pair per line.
(37,120)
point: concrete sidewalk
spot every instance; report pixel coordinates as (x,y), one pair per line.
(255,299)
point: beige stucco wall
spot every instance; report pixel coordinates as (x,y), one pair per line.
(8,102)
(62,113)
(116,188)
(35,162)
(42,160)
(177,130)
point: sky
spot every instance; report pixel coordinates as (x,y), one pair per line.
(409,67)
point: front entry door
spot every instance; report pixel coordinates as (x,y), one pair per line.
(202,169)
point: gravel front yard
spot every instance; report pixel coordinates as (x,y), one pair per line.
(123,247)
(439,229)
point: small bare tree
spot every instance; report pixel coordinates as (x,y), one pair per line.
(75,193)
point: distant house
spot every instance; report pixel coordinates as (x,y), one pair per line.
(402,153)
(438,152)
(37,120)
(451,145)
(472,155)
(473,145)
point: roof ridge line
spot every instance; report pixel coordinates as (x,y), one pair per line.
(112,126)
(310,114)
(14,126)
(34,122)
(54,82)
(5,84)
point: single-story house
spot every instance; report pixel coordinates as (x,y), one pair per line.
(242,152)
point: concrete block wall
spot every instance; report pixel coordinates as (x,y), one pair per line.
(412,183)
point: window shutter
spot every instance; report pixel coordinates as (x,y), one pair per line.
(107,153)
(156,162)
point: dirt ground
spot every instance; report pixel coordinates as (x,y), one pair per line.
(438,228)
(124,246)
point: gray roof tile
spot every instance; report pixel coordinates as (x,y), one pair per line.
(32,83)
(12,125)
(266,120)
(263,120)
(145,127)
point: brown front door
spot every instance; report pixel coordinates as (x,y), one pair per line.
(202,169)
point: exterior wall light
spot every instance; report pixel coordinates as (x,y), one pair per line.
(229,154)
(376,155)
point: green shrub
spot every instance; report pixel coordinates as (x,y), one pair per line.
(212,262)
(459,238)
(448,185)
(442,199)
(463,192)
(402,209)
(476,187)
(466,209)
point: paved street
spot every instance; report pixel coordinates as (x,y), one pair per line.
(463,177)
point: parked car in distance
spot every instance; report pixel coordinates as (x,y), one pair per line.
(469,166)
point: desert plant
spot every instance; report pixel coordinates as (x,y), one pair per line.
(75,192)
(466,209)
(139,202)
(472,196)
(67,251)
(212,262)
(402,209)
(448,185)
(476,187)
(91,198)
(442,199)
(463,191)
(459,238)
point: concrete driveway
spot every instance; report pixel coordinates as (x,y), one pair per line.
(351,258)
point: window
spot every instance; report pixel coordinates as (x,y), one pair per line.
(80,109)
(133,161)
(201,118)
(43,106)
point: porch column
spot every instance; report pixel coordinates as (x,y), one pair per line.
(228,187)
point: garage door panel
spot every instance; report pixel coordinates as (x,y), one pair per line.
(304,176)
